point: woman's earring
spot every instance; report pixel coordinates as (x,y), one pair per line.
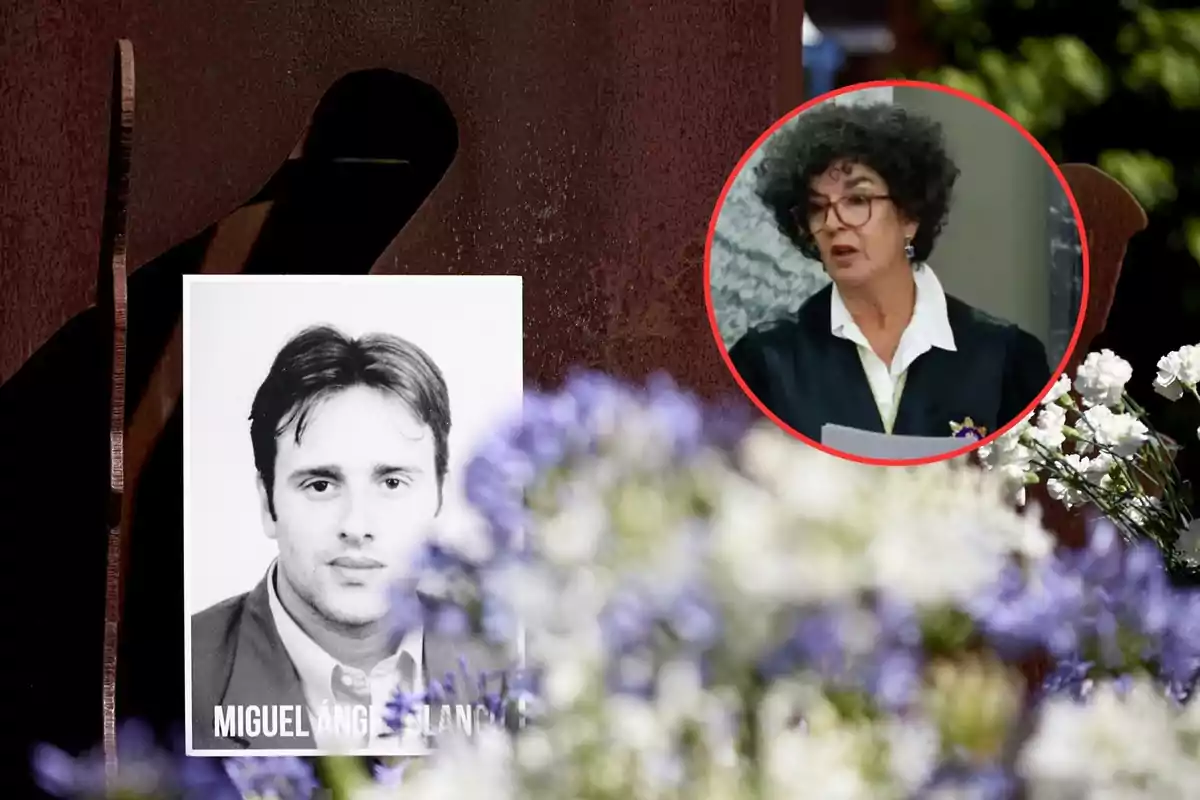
(909,251)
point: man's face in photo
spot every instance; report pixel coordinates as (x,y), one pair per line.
(353,501)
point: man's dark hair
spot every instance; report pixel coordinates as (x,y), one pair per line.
(907,150)
(321,361)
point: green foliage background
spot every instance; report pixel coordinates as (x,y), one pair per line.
(1115,83)
(1117,68)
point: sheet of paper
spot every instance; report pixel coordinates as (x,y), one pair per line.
(869,444)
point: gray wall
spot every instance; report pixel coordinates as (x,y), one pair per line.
(994,252)
(997,251)
(757,274)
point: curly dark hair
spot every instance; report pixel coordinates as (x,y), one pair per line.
(907,150)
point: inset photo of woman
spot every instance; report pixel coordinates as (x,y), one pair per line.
(898,261)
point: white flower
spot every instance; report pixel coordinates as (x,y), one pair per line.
(1004,446)
(774,548)
(1010,456)
(803,479)
(1177,371)
(795,761)
(680,692)
(1112,746)
(914,747)
(1188,725)
(1061,491)
(1094,470)
(1123,433)
(535,750)
(634,725)
(463,531)
(482,766)
(887,759)
(1007,451)
(576,532)
(1060,389)
(565,682)
(1048,429)
(949,509)
(1189,365)
(1137,507)
(1167,381)
(970,559)
(1101,378)
(374,791)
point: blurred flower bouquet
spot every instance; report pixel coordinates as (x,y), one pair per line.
(1092,445)
(713,611)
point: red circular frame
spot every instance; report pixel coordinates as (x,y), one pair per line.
(1079,318)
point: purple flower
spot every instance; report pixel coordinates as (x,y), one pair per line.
(978,782)
(389,774)
(1147,591)
(205,779)
(680,416)
(62,775)
(812,643)
(627,620)
(495,483)
(452,621)
(1123,685)
(543,436)
(525,683)
(145,770)
(694,618)
(632,672)
(1129,606)
(405,703)
(1179,659)
(554,430)
(598,400)
(899,622)
(498,619)
(888,670)
(816,642)
(893,678)
(406,611)
(727,421)
(1103,610)
(1069,677)
(1016,617)
(495,703)
(274,777)
(439,558)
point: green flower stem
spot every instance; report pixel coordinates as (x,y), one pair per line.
(1140,413)
(945,632)
(1153,466)
(750,745)
(1122,463)
(342,775)
(975,701)
(1109,503)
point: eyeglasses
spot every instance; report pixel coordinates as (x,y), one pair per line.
(853,211)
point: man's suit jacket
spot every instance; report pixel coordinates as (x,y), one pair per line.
(238,658)
(808,377)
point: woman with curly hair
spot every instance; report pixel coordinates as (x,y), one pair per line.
(866,190)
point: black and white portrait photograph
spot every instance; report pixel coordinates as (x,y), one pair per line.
(327,424)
